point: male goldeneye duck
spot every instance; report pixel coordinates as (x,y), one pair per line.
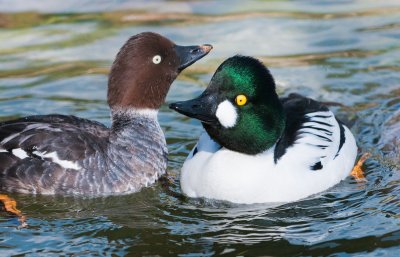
(259,148)
(57,154)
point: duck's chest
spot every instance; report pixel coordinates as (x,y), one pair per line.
(227,174)
(236,168)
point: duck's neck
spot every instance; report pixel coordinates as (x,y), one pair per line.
(137,149)
(137,129)
(124,118)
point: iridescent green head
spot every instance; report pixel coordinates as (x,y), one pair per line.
(240,108)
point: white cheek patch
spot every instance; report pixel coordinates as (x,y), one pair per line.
(226,114)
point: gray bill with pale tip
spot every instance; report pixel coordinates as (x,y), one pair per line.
(190,54)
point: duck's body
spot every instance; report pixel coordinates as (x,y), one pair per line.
(311,152)
(314,162)
(57,154)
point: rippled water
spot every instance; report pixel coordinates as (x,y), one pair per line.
(54,58)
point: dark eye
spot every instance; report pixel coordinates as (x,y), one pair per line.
(156,59)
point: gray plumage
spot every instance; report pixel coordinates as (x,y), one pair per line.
(123,159)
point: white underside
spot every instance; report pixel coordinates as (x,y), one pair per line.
(240,178)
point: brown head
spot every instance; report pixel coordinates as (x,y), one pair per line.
(144,69)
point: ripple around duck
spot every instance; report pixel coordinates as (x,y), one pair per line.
(56,60)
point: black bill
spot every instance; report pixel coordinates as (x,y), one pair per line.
(202,108)
(190,54)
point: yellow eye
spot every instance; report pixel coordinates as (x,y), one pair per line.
(241,100)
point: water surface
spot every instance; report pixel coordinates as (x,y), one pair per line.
(55,56)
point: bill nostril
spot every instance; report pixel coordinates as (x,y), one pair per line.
(194,51)
(173,106)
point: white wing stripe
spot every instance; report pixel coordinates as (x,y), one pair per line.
(54,158)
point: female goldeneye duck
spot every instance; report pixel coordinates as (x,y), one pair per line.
(259,148)
(57,154)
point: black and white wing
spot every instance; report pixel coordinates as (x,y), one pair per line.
(313,136)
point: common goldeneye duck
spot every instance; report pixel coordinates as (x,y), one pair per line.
(57,154)
(258,147)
